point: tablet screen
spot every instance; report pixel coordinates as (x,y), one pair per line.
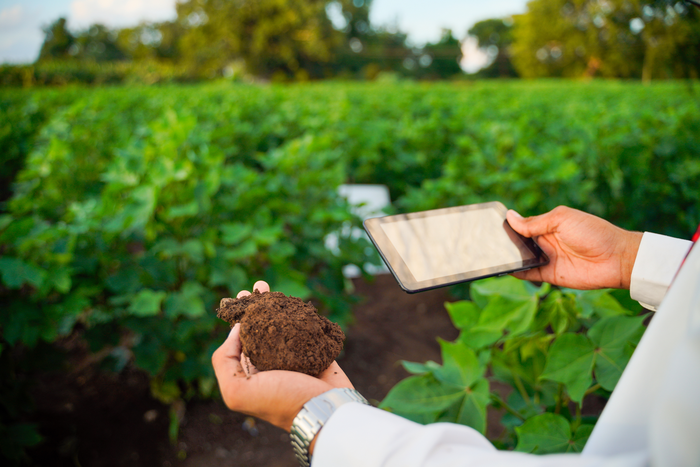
(434,248)
(459,241)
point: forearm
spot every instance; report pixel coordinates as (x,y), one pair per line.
(364,436)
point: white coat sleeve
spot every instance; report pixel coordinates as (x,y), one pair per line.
(357,435)
(658,260)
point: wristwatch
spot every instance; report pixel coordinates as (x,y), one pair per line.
(314,415)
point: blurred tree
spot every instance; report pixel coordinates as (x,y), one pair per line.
(97,43)
(610,38)
(376,51)
(275,38)
(57,42)
(494,37)
(363,51)
(440,60)
(151,41)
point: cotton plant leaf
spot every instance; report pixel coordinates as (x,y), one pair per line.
(558,310)
(614,338)
(597,302)
(147,303)
(421,394)
(293,288)
(419,368)
(477,338)
(460,366)
(472,410)
(610,364)
(616,331)
(464,314)
(507,287)
(187,301)
(544,434)
(570,362)
(580,438)
(15,273)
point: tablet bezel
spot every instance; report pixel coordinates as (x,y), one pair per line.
(402,273)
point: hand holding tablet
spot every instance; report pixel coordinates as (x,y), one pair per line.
(430,249)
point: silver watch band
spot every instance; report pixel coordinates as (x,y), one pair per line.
(314,415)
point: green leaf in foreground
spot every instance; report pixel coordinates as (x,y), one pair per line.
(503,312)
(614,338)
(461,366)
(464,314)
(420,394)
(419,368)
(508,287)
(472,410)
(570,362)
(550,433)
(598,302)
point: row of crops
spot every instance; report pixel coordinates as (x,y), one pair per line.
(137,209)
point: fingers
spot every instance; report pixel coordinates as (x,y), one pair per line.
(538,225)
(247,365)
(275,396)
(233,342)
(517,222)
(260,286)
(226,359)
(534,275)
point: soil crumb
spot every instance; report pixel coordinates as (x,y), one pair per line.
(283,333)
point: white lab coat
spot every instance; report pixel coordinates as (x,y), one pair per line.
(652,417)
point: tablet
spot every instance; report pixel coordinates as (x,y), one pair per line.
(430,249)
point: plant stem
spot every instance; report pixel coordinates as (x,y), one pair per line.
(592,389)
(508,408)
(577,421)
(521,387)
(560,396)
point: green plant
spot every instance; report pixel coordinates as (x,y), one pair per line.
(535,352)
(135,209)
(130,241)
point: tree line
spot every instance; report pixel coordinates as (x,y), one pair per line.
(283,40)
(271,39)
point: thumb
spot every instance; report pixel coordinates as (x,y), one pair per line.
(531,226)
(228,355)
(232,344)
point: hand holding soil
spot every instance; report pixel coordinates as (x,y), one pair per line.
(274,396)
(282,333)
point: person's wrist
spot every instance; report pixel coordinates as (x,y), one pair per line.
(313,416)
(629,256)
(313,443)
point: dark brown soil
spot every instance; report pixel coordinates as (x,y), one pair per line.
(283,333)
(90,418)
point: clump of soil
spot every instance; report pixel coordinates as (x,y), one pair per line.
(283,333)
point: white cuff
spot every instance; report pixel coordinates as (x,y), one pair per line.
(658,260)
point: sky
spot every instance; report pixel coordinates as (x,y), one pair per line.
(21,21)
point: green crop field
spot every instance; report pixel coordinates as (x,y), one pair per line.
(131,211)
